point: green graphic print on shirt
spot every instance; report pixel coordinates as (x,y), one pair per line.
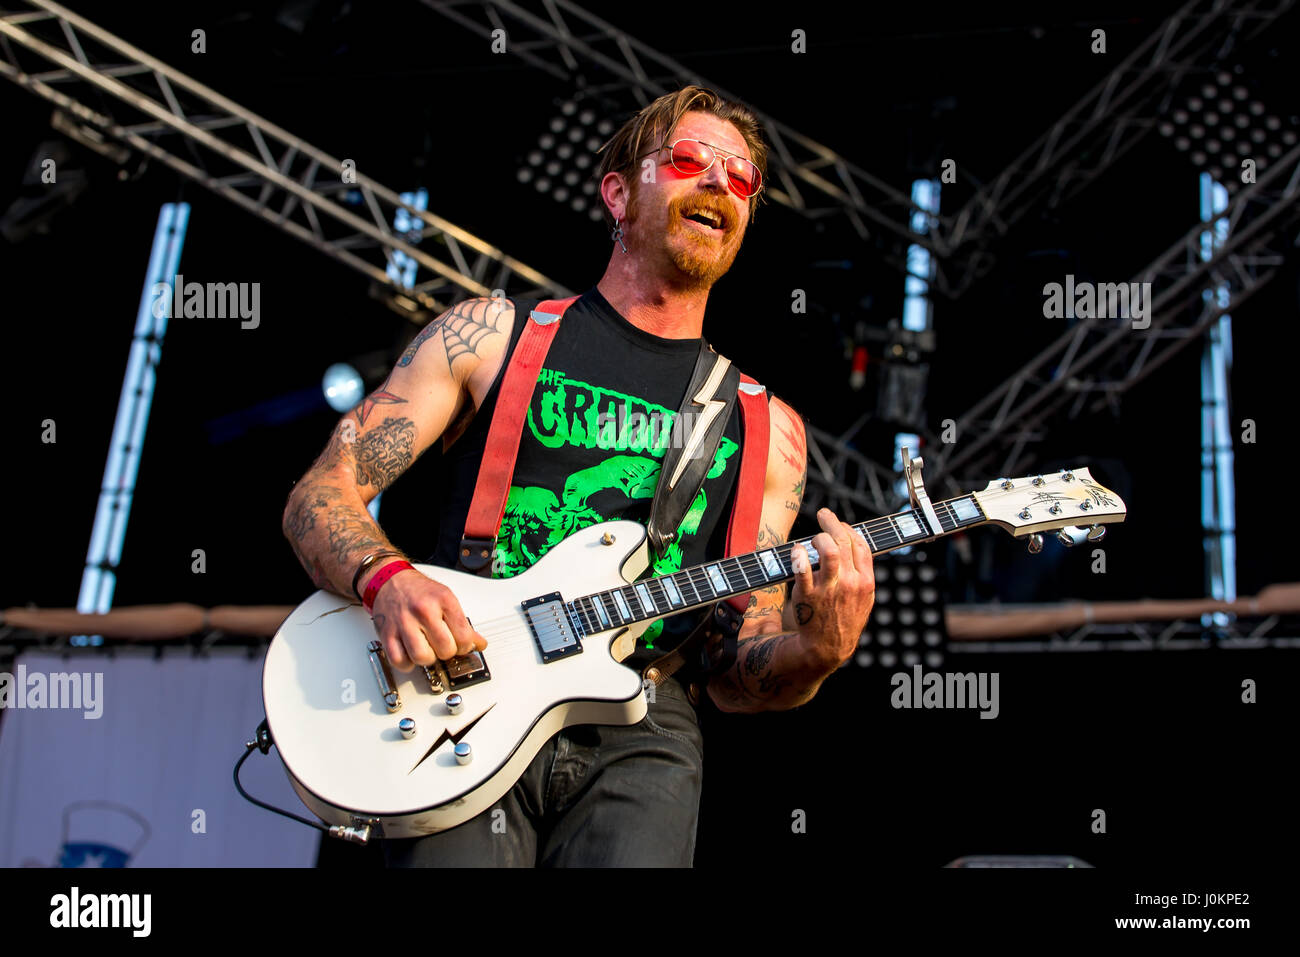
(636,432)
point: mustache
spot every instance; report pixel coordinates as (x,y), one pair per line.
(703,203)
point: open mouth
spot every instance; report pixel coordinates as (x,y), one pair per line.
(707,220)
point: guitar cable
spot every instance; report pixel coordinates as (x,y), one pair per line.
(262,742)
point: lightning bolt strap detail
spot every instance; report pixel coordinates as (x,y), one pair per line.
(711,409)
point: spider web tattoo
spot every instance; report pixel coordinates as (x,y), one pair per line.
(464,327)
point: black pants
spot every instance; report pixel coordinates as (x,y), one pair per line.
(595,796)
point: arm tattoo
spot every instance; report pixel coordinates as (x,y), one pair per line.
(380,396)
(794,435)
(385,452)
(464,327)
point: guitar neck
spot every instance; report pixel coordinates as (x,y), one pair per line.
(711,582)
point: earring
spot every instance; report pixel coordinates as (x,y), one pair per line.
(617,234)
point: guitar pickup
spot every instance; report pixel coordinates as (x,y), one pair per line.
(466,670)
(549,622)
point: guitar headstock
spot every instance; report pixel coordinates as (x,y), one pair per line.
(1049,501)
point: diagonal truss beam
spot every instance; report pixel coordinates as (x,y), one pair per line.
(1096,361)
(1094,133)
(273,174)
(565,41)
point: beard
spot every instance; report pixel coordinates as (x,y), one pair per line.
(700,259)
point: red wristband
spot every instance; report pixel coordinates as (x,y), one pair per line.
(379,579)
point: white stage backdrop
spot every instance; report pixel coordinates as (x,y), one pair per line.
(148,782)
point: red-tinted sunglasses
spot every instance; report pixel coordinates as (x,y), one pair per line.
(691,158)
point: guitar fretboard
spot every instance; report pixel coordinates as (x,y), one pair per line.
(711,582)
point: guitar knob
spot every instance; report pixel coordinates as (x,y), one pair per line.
(464,753)
(1096,533)
(1035,543)
(407,727)
(1065,538)
(455,703)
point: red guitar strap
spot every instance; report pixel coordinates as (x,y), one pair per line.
(747,512)
(488,506)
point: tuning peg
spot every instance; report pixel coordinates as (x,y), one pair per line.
(1096,533)
(1035,543)
(1065,538)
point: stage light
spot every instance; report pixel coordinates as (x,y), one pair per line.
(535,158)
(930,616)
(546,141)
(1288,137)
(342,386)
(604,127)
(561,194)
(882,616)
(1216,172)
(906,595)
(1225,106)
(1258,136)
(564,151)
(574,134)
(597,213)
(1166,128)
(578,204)
(906,616)
(543,184)
(1256,108)
(933,659)
(571,178)
(587,117)
(932,638)
(909,638)
(1223,78)
(557,125)
(553,168)
(594,144)
(910,658)
(523,174)
(1196,130)
(1180,116)
(1211,118)
(1211,146)
(582,161)
(1198,158)
(863,659)
(1194,103)
(1274,150)
(1208,91)
(884,595)
(1273,123)
(1242,120)
(1229,160)
(589,188)
(888,659)
(568,107)
(885,637)
(1240,92)
(1226,132)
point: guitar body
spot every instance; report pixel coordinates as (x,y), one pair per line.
(342,747)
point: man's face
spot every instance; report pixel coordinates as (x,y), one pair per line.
(658,219)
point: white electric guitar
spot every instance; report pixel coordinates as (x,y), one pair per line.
(378,753)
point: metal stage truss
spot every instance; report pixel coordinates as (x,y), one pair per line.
(563,40)
(1092,364)
(257,165)
(1094,133)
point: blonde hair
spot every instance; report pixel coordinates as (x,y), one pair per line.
(656,121)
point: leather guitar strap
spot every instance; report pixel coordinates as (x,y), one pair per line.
(711,645)
(493,488)
(696,434)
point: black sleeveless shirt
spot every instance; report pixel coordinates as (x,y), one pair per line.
(592,444)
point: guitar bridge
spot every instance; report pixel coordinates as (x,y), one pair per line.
(549,622)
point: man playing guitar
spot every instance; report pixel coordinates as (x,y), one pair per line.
(680,183)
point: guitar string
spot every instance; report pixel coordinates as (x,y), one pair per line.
(699,572)
(518,631)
